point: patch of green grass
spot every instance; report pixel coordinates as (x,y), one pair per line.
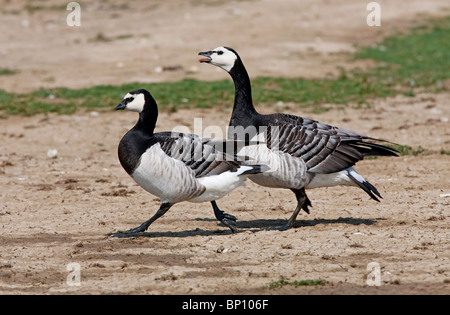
(170,96)
(196,94)
(28,104)
(34,7)
(281,283)
(349,87)
(4,71)
(420,58)
(408,150)
(100,37)
(405,150)
(185,93)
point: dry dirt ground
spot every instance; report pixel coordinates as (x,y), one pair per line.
(58,211)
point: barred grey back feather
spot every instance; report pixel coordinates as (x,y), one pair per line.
(324,148)
(196,153)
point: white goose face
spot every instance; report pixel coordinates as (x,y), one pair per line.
(132,102)
(221,57)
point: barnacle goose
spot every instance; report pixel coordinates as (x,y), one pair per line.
(303,153)
(174,166)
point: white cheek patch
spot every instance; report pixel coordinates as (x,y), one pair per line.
(225,61)
(136,105)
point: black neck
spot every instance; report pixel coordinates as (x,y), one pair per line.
(243,103)
(148,116)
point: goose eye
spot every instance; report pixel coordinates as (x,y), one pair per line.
(220,52)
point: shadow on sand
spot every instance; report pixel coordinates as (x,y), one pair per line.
(251,225)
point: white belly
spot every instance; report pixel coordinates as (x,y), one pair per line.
(218,186)
(166,178)
(333,179)
(285,171)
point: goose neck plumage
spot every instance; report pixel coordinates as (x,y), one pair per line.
(243,109)
(148,116)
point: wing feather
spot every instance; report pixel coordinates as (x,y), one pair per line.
(198,154)
(324,148)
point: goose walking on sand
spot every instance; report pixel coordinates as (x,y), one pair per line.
(174,166)
(306,153)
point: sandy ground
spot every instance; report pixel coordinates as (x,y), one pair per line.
(58,211)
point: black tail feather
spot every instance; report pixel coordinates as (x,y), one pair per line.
(373,149)
(256,169)
(367,187)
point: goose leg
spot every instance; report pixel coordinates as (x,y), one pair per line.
(302,203)
(227,219)
(144,226)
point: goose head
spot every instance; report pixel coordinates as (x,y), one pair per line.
(134,101)
(223,57)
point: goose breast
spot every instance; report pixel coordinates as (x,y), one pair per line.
(286,171)
(165,177)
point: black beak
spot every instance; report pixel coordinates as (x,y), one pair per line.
(122,105)
(207,54)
